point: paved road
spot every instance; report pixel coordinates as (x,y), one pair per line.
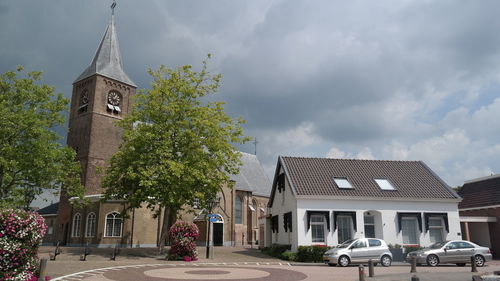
(233,264)
(264,272)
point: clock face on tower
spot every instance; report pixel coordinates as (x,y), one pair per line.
(84,98)
(114,98)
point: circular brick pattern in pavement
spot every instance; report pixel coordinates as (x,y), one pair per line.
(169,273)
(180,273)
(207,272)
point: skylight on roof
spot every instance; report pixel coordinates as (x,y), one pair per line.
(342,182)
(385,184)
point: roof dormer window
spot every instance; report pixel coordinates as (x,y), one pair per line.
(385,184)
(342,183)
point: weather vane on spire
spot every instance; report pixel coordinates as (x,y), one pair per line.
(113,7)
(255,142)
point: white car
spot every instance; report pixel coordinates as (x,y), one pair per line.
(359,251)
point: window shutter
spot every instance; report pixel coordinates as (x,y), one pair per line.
(442,215)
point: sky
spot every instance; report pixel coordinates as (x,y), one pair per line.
(388,80)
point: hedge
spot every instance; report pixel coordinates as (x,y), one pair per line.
(312,253)
(304,254)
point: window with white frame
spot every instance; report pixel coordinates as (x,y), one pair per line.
(436,229)
(90,225)
(409,227)
(344,228)
(113,225)
(318,228)
(196,203)
(77,221)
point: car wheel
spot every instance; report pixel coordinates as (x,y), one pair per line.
(460,264)
(386,261)
(432,260)
(332,264)
(479,260)
(344,261)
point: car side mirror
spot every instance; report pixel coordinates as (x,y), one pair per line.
(351,247)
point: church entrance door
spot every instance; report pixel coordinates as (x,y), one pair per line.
(218,234)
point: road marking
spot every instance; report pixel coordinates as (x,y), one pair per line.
(97,271)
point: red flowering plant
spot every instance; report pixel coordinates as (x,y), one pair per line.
(183,236)
(20,234)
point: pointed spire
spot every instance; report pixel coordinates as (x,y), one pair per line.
(107,60)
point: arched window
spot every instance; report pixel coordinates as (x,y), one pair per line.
(237,210)
(77,220)
(254,213)
(113,225)
(90,225)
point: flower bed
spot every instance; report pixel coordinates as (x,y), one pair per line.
(20,234)
(183,236)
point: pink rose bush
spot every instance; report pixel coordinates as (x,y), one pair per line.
(20,234)
(183,236)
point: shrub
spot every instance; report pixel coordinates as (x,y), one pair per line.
(183,236)
(276,250)
(394,246)
(289,256)
(412,248)
(20,234)
(311,253)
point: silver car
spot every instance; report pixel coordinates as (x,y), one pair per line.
(359,251)
(457,251)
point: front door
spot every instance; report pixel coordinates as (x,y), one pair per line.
(218,234)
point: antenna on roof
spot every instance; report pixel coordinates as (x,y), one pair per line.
(255,142)
(113,7)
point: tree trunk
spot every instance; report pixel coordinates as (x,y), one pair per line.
(169,217)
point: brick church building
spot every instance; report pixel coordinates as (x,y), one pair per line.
(102,95)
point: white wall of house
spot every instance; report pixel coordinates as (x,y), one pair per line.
(385,220)
(387,227)
(284,202)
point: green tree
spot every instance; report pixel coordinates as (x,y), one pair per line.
(31,158)
(177,146)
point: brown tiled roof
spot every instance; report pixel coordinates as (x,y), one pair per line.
(412,179)
(481,192)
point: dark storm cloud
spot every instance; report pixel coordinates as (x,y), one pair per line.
(391,78)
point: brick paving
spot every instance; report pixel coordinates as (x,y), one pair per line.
(68,261)
(229,263)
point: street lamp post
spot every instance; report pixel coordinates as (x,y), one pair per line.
(211,204)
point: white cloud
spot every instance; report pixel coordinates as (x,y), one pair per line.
(337,153)
(365,153)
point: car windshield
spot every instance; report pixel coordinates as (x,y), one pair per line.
(438,245)
(346,243)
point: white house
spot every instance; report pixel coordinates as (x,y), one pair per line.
(327,201)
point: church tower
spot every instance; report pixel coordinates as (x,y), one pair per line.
(101,95)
